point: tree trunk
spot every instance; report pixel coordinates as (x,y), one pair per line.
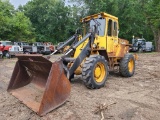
(157,40)
(156,33)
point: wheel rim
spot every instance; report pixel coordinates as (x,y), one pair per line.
(130,65)
(99,72)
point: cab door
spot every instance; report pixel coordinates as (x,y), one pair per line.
(112,35)
(115,35)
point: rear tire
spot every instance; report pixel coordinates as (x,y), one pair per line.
(127,65)
(95,71)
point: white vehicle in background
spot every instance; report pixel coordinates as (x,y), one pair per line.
(27,48)
(9,49)
(42,48)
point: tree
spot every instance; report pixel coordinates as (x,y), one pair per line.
(13,25)
(21,27)
(130,13)
(50,18)
(6,11)
(153,18)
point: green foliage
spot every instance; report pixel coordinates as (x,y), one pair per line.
(21,26)
(6,10)
(50,18)
(130,13)
(152,13)
(14,25)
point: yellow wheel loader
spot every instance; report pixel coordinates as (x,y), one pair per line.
(96,50)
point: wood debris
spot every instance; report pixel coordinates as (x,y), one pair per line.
(101,108)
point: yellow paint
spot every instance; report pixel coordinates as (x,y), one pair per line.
(131,65)
(99,72)
(79,48)
(115,47)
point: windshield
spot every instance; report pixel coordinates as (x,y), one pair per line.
(40,44)
(101,25)
(141,41)
(7,43)
(24,43)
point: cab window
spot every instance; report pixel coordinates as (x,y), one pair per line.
(110,28)
(101,26)
(115,30)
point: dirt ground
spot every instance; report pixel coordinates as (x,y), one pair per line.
(134,98)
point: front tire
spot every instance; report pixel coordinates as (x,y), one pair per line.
(6,54)
(26,52)
(95,71)
(127,65)
(140,50)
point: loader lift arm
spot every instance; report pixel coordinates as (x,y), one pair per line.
(84,53)
(74,37)
(65,43)
(66,58)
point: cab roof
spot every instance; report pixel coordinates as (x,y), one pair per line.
(103,14)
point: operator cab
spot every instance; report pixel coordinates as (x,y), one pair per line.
(106,28)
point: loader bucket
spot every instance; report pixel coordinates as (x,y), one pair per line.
(39,83)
